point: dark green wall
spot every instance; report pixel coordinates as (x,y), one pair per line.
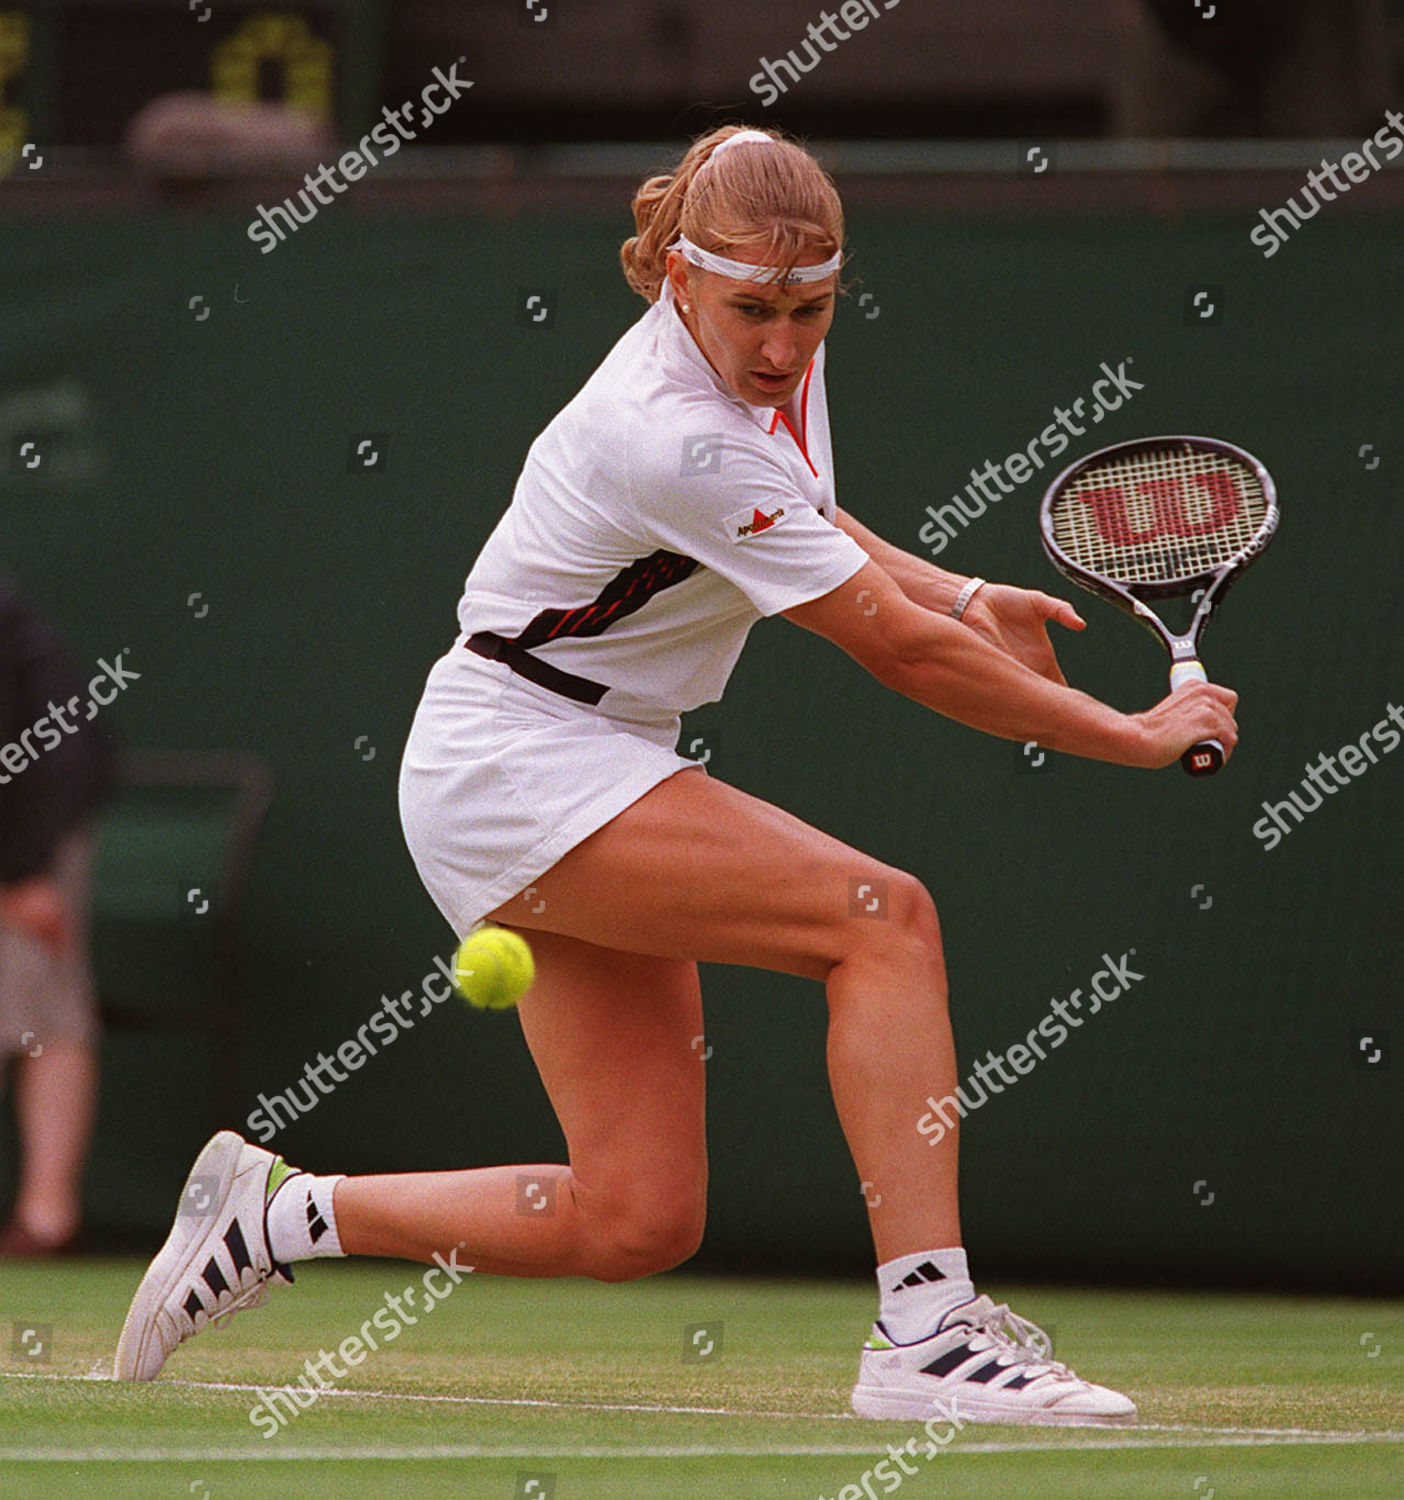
(212,458)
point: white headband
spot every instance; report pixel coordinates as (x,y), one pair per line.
(739,139)
(740,270)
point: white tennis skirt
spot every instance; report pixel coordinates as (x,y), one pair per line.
(500,777)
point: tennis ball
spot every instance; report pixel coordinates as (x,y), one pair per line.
(493,968)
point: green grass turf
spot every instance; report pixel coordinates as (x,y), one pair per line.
(543,1361)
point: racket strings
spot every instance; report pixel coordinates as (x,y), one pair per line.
(1160,515)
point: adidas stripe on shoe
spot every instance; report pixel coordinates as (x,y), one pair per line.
(985,1364)
(216,1260)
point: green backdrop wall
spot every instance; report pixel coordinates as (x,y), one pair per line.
(204,449)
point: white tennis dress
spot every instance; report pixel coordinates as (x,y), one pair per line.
(656,519)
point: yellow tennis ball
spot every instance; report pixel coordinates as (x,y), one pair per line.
(493,968)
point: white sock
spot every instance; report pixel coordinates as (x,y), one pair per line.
(918,1290)
(301,1220)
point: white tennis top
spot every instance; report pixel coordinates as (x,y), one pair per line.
(656,519)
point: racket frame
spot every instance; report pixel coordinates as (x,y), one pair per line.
(1132,598)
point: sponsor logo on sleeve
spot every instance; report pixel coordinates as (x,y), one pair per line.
(752,521)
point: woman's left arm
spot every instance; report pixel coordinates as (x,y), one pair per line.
(1013,619)
(922,582)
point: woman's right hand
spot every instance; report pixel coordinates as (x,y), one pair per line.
(1200,711)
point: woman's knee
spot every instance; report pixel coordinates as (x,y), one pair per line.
(637,1233)
(894,913)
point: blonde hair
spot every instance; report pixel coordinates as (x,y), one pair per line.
(773,195)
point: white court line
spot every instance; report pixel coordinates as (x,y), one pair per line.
(527,1401)
(1266,1434)
(282,1454)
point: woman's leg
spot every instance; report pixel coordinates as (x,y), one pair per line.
(611,1034)
(696,870)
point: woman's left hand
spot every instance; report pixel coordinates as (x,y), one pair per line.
(1016,621)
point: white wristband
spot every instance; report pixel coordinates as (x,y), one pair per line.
(972,587)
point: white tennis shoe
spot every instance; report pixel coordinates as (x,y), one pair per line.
(216,1260)
(984,1364)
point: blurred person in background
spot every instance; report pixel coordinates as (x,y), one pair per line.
(55,768)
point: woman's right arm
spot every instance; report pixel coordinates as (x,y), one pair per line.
(943,664)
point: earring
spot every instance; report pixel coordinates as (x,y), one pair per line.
(687,308)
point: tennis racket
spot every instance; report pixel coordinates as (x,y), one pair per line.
(1162,518)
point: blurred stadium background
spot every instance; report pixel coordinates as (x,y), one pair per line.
(264,477)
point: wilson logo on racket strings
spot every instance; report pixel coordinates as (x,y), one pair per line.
(1170,513)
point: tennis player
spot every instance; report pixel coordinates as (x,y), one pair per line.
(687,491)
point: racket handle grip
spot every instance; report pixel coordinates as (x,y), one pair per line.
(1206,757)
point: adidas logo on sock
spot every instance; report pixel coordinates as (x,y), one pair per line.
(316,1224)
(923,1274)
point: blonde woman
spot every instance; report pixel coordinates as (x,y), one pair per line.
(686,492)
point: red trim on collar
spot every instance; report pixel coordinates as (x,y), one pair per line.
(801,436)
